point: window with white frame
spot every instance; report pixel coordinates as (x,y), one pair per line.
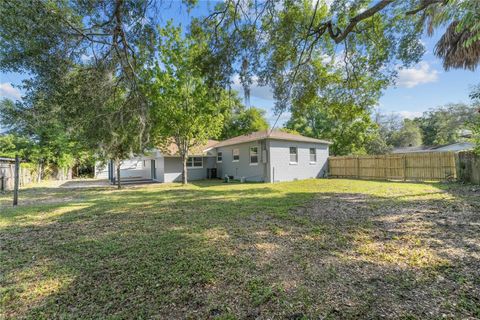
(195,162)
(236,154)
(219,157)
(253,155)
(293,155)
(313,155)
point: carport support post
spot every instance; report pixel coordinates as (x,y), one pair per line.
(16,178)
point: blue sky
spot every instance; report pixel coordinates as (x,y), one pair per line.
(418,89)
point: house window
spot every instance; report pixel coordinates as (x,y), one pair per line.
(253,155)
(219,157)
(236,154)
(195,162)
(293,155)
(313,155)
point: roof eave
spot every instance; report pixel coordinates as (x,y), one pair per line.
(298,140)
(272,138)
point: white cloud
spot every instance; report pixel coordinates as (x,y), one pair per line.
(419,74)
(408,114)
(8,91)
(85,58)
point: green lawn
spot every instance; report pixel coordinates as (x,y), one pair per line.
(301,250)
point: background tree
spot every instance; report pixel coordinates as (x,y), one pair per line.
(408,135)
(350,128)
(376,144)
(39,138)
(11,145)
(398,132)
(388,124)
(184,110)
(239,120)
(475,122)
(442,125)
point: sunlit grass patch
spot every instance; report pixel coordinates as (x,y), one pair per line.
(32,285)
(39,216)
(307,249)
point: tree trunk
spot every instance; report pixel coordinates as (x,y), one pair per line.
(119,185)
(184,170)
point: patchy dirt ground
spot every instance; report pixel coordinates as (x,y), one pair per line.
(315,249)
(400,256)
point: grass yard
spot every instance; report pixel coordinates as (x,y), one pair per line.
(311,249)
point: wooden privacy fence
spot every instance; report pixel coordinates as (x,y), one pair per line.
(407,166)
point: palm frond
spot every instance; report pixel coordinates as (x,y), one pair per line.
(454,52)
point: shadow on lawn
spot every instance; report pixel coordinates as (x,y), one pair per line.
(252,253)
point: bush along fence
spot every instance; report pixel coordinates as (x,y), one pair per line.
(408,166)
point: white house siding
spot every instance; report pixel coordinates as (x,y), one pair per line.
(131,168)
(281,169)
(173,169)
(242,168)
(159,168)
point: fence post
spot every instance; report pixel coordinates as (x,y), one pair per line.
(404,167)
(16,178)
(385,167)
(3,184)
(358,168)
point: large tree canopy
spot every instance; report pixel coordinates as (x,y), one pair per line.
(276,42)
(86,58)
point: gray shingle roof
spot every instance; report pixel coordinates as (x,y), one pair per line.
(269,134)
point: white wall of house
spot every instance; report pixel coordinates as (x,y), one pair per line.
(159,169)
(173,169)
(243,167)
(274,163)
(130,168)
(282,169)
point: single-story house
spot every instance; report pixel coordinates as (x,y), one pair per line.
(263,156)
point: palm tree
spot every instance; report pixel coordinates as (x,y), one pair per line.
(459,46)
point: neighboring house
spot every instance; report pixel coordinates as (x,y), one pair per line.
(454,147)
(263,156)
